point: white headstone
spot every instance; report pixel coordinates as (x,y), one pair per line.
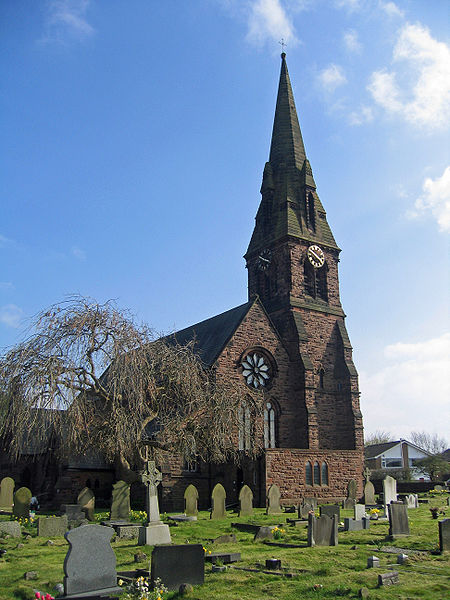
(389,491)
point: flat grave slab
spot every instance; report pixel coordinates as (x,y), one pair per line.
(225,557)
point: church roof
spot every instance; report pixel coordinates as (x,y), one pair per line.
(213,334)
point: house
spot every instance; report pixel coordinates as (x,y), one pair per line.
(394,456)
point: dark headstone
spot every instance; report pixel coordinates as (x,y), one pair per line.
(398,519)
(52,526)
(73,512)
(306,505)
(444,535)
(6,494)
(120,505)
(323,531)
(22,499)
(90,563)
(86,500)
(329,510)
(191,501)
(273,500)
(390,578)
(245,502)
(356,524)
(225,557)
(373,562)
(273,564)
(175,565)
(218,497)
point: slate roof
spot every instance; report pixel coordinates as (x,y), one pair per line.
(212,335)
(376,449)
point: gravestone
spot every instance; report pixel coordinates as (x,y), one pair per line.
(245,502)
(191,501)
(329,510)
(90,563)
(7,494)
(263,533)
(369,493)
(373,562)
(398,519)
(225,557)
(389,491)
(11,528)
(273,500)
(227,538)
(154,532)
(412,501)
(22,499)
(323,531)
(74,514)
(86,500)
(174,565)
(360,511)
(444,535)
(356,524)
(306,505)
(52,526)
(218,502)
(350,501)
(390,578)
(120,505)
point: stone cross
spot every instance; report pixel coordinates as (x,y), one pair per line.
(367,474)
(151,478)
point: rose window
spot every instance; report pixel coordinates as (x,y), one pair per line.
(256,371)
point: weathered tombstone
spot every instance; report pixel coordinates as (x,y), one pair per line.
(218,502)
(86,500)
(273,500)
(356,524)
(389,491)
(227,538)
(74,514)
(360,511)
(444,535)
(174,565)
(90,563)
(52,526)
(390,578)
(350,501)
(245,502)
(120,505)
(11,528)
(225,557)
(22,499)
(191,501)
(306,506)
(398,519)
(329,510)
(412,501)
(6,494)
(154,532)
(373,562)
(323,531)
(369,493)
(263,533)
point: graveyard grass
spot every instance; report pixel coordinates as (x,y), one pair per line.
(341,570)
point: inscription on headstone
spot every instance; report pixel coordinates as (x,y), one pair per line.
(6,494)
(273,500)
(218,497)
(191,501)
(120,505)
(22,499)
(245,502)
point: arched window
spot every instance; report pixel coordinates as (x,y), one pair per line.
(308,474)
(310,213)
(324,473)
(315,280)
(316,473)
(269,426)
(321,283)
(244,427)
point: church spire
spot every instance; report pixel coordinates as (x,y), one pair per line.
(287,142)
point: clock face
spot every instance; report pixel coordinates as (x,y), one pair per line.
(316,256)
(264,259)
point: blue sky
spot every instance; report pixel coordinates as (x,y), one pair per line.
(133,140)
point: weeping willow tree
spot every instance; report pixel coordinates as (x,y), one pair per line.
(97,380)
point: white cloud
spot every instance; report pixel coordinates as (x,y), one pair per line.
(411,391)
(350,5)
(78,253)
(351,41)
(361,116)
(6,285)
(435,200)
(67,19)
(332,77)
(426,100)
(268,21)
(391,9)
(10,315)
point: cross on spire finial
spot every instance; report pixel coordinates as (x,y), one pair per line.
(283,45)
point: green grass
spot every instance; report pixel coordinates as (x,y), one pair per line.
(340,570)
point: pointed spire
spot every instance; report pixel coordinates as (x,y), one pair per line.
(287,142)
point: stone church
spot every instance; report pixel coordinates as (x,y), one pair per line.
(288,338)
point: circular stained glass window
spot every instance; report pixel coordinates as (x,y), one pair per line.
(256,370)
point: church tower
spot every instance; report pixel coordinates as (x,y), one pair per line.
(292,263)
